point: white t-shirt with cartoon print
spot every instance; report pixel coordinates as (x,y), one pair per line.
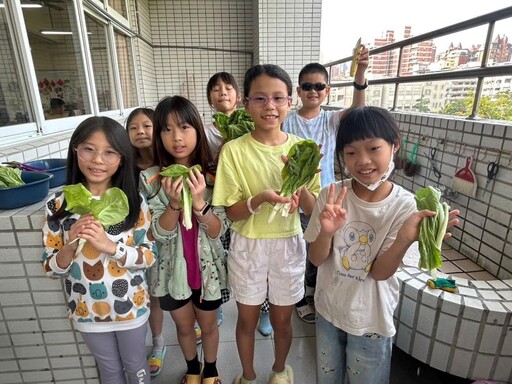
(346,294)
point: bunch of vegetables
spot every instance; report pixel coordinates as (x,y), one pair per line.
(175,171)
(234,125)
(10,177)
(432,229)
(303,161)
(110,209)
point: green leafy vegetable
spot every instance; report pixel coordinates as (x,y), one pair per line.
(234,125)
(303,161)
(175,171)
(10,177)
(432,229)
(109,209)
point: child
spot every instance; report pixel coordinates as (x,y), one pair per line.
(223,95)
(361,230)
(312,122)
(139,126)
(263,255)
(191,265)
(105,281)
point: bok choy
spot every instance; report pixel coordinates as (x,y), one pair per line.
(432,229)
(235,125)
(303,161)
(175,171)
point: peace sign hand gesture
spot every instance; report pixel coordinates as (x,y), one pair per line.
(333,216)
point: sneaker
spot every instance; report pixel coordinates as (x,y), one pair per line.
(220,317)
(285,377)
(198,333)
(265,327)
(306,313)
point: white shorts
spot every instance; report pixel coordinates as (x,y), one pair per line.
(261,268)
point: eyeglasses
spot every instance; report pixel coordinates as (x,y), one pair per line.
(89,154)
(310,86)
(261,101)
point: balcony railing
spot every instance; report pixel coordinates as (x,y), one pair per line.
(395,77)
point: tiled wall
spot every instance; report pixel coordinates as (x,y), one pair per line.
(192,40)
(484,234)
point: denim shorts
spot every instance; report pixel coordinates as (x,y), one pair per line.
(363,359)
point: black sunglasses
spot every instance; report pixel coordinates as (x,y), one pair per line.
(310,86)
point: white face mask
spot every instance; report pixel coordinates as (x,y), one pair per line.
(383,178)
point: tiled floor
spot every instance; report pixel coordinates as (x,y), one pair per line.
(458,265)
(404,369)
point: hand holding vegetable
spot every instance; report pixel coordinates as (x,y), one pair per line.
(180,185)
(112,208)
(92,230)
(301,166)
(430,227)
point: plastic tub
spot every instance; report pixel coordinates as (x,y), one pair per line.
(35,189)
(57,167)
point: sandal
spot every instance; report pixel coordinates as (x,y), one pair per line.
(157,360)
(306,313)
(211,380)
(192,379)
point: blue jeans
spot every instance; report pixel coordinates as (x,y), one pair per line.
(345,358)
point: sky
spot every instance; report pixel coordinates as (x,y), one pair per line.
(343,22)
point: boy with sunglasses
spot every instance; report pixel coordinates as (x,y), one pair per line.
(310,121)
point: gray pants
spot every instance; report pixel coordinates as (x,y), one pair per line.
(119,353)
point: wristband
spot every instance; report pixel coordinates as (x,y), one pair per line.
(360,87)
(203,211)
(120,251)
(249,207)
(174,209)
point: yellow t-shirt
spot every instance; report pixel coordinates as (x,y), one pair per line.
(247,167)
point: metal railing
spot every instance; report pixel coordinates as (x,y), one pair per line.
(480,73)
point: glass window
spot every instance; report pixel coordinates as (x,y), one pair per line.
(13,103)
(126,69)
(54,43)
(119,6)
(103,78)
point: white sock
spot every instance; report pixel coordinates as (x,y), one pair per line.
(158,344)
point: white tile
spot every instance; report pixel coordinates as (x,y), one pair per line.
(467,292)
(483,365)
(425,322)
(461,363)
(490,339)
(412,287)
(503,370)
(430,297)
(489,295)
(440,356)
(26,338)
(451,303)
(507,295)
(403,337)
(407,312)
(480,284)
(446,328)
(40,376)
(498,284)
(467,335)
(421,346)
(29,352)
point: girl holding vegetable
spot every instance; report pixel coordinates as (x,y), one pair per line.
(361,230)
(223,94)
(191,265)
(139,126)
(265,258)
(104,276)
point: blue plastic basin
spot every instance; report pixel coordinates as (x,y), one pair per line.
(36,188)
(57,167)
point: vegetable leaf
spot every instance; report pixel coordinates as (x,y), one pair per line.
(175,171)
(10,177)
(110,209)
(432,229)
(303,161)
(235,125)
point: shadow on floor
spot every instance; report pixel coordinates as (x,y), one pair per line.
(406,369)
